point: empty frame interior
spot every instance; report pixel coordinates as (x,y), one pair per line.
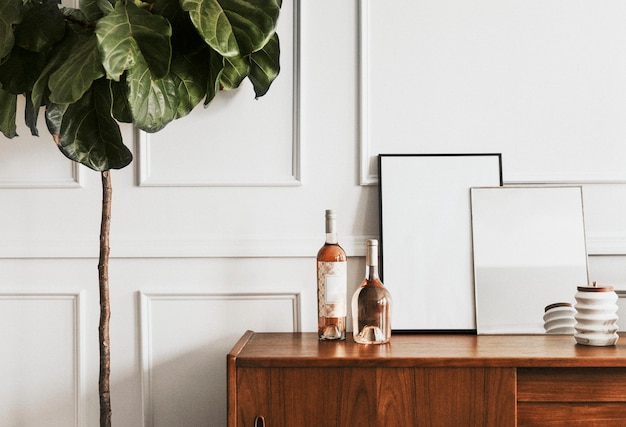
(426,236)
(529,252)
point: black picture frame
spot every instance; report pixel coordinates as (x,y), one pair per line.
(426,237)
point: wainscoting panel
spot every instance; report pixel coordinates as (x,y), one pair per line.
(236,140)
(184,342)
(41,360)
(28,161)
(35,162)
(550,102)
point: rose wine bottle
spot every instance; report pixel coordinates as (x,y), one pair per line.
(332,284)
(371,303)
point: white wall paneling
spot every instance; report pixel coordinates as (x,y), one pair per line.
(234,142)
(36,166)
(606,244)
(42,354)
(241,217)
(29,161)
(605,218)
(368,162)
(184,341)
(242,246)
(542,83)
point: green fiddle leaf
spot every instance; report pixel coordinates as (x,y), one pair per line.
(88,134)
(42,26)
(216,66)
(30,115)
(190,75)
(74,15)
(235,70)
(153,103)
(20,70)
(265,66)
(130,35)
(10,15)
(74,76)
(40,92)
(54,119)
(91,10)
(106,6)
(171,10)
(121,107)
(57,58)
(234,27)
(8,101)
(185,37)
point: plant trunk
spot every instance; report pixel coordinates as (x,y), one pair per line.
(105,305)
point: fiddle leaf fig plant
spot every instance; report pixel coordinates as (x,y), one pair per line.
(144,62)
(155,59)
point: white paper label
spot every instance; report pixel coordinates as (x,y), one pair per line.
(332,288)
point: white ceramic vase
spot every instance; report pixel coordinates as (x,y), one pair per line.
(596,316)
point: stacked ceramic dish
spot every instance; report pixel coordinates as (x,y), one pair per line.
(559,318)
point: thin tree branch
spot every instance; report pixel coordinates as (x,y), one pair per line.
(105,305)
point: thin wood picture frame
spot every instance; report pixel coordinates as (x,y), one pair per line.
(530,252)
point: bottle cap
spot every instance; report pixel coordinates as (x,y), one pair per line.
(595,288)
(331,226)
(557,304)
(371,253)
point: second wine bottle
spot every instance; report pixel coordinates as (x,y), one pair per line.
(371,303)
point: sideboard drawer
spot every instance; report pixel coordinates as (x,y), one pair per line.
(366,396)
(571,385)
(589,397)
(567,414)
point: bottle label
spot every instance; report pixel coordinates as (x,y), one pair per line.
(332,287)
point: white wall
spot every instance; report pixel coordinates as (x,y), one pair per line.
(216,233)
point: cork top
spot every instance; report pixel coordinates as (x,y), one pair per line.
(595,288)
(557,304)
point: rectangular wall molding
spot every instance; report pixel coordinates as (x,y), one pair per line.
(548,132)
(74,179)
(607,244)
(200,150)
(38,300)
(240,247)
(147,177)
(173,325)
(210,247)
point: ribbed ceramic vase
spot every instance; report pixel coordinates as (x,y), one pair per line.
(559,318)
(596,316)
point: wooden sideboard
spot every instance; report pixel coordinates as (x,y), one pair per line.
(293,380)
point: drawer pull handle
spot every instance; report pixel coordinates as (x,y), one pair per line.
(259,421)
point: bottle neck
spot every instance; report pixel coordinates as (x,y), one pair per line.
(371,272)
(331,231)
(371,261)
